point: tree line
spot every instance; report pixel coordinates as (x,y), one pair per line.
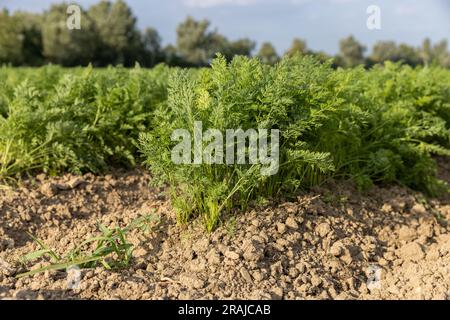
(109,36)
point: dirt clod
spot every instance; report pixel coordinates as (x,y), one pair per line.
(232,255)
(411,251)
(49,189)
(323,229)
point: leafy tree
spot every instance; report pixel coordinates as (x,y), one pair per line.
(152,50)
(171,56)
(351,52)
(437,54)
(31,31)
(64,46)
(383,51)
(268,54)
(120,41)
(441,56)
(11,39)
(298,46)
(241,47)
(109,35)
(426,52)
(408,54)
(390,51)
(195,43)
(320,55)
(216,43)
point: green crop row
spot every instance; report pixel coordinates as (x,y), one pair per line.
(382,125)
(77,120)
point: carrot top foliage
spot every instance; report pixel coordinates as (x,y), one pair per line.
(382,125)
(80,120)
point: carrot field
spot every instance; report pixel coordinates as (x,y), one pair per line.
(88,177)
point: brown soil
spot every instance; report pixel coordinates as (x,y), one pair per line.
(325,244)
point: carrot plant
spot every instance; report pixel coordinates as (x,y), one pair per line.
(382,125)
(338,123)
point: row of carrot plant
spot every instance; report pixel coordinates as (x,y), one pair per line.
(383,125)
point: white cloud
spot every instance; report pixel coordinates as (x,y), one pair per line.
(342,1)
(406,9)
(303,2)
(300,2)
(215,3)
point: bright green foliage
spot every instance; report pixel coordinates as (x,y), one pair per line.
(382,125)
(86,120)
(412,123)
(111,249)
(378,126)
(295,96)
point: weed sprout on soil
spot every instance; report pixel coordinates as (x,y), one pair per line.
(111,249)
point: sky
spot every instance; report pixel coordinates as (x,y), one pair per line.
(320,22)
